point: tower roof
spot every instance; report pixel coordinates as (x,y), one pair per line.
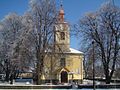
(61,13)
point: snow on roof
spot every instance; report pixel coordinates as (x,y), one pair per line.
(74,51)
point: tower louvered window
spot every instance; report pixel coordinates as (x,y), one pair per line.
(62,36)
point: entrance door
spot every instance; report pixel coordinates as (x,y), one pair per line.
(64,77)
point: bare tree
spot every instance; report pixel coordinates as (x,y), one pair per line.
(103,27)
(29,36)
(11,28)
(16,51)
(44,18)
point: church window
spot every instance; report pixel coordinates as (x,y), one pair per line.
(59,49)
(62,62)
(62,36)
(78,70)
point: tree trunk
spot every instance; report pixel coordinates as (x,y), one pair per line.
(108,79)
(7,76)
(11,78)
(39,69)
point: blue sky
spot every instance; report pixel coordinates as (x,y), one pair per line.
(74,10)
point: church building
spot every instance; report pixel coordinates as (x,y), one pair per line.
(64,64)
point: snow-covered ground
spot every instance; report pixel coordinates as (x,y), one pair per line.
(15,83)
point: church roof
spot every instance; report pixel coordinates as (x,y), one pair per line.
(74,51)
(61,69)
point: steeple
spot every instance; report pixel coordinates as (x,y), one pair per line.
(61,13)
(62,36)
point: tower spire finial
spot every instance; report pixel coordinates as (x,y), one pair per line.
(61,2)
(61,12)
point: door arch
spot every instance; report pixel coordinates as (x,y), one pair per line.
(64,77)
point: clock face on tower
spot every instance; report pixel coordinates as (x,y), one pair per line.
(61,27)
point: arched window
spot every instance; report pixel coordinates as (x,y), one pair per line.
(62,62)
(62,36)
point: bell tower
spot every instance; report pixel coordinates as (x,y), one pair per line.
(62,37)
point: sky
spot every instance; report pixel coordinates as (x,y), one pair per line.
(74,10)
